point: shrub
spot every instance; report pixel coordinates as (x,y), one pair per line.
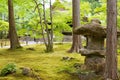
(8,69)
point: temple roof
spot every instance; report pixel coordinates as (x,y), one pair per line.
(67,33)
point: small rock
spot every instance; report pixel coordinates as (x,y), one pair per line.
(65,58)
(68,58)
(77,65)
(32,49)
(87,76)
(83,67)
(72,58)
(25,70)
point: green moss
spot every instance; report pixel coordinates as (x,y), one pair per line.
(47,65)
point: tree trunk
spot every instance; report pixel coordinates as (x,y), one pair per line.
(49,47)
(51,19)
(14,43)
(49,41)
(111,49)
(76,44)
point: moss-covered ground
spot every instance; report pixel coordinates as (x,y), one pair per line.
(48,66)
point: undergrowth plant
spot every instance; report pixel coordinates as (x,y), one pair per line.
(8,69)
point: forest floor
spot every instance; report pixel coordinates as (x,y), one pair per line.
(49,66)
(58,65)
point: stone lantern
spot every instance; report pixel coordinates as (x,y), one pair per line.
(95,51)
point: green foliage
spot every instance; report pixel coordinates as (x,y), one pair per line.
(85,8)
(100,13)
(118,51)
(94,9)
(3,29)
(118,18)
(27,19)
(60,23)
(58,36)
(93,3)
(8,69)
(118,24)
(3,25)
(3,6)
(57,5)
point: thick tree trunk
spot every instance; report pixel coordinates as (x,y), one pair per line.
(76,44)
(14,43)
(111,52)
